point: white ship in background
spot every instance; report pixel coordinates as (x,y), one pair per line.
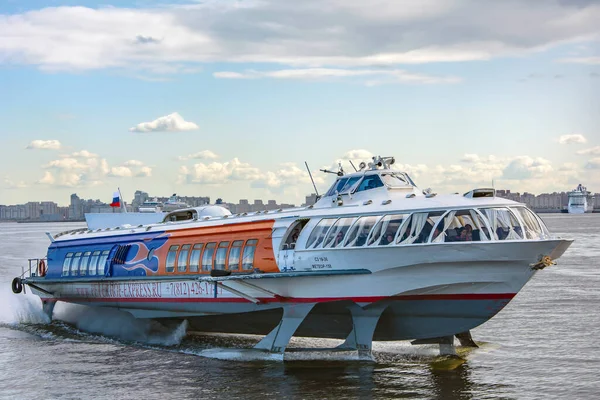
(580,201)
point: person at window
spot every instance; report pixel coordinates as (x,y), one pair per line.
(467,234)
(387,239)
(339,238)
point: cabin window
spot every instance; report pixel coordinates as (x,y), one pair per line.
(461,226)
(337,233)
(75,264)
(531,226)
(337,186)
(248,257)
(102,262)
(350,184)
(503,223)
(83,267)
(182,259)
(358,234)
(393,180)
(418,227)
(195,257)
(94,262)
(385,231)
(207,256)
(67,264)
(233,262)
(171,257)
(221,255)
(318,233)
(370,182)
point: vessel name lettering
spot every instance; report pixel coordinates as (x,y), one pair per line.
(124,290)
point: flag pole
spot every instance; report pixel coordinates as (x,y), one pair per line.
(121,201)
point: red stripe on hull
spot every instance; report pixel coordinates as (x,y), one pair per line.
(369,299)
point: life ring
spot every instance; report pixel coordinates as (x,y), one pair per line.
(17,286)
(42,268)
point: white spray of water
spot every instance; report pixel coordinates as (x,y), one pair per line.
(21,308)
(27,309)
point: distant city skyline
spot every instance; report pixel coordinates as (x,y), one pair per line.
(229,100)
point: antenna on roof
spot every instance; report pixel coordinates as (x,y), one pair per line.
(311,179)
(351,163)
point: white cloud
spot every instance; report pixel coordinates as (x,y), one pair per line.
(10,184)
(372,76)
(44,144)
(311,33)
(218,173)
(47,179)
(133,163)
(594,163)
(144,172)
(84,154)
(569,139)
(201,155)
(525,167)
(594,151)
(169,123)
(120,172)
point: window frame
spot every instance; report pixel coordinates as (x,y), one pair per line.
(173,250)
(236,244)
(180,252)
(253,244)
(208,247)
(197,247)
(66,269)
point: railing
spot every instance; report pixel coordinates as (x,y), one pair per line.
(33,267)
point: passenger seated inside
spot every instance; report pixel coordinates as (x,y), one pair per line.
(467,233)
(386,239)
(339,238)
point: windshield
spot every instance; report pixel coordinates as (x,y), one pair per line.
(393,180)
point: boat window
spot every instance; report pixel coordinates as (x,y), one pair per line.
(182,258)
(386,229)
(462,226)
(370,182)
(171,257)
(248,256)
(207,256)
(75,264)
(503,224)
(294,233)
(318,233)
(418,227)
(67,264)
(358,234)
(393,180)
(532,228)
(350,183)
(102,262)
(94,262)
(221,255)
(337,233)
(83,267)
(337,186)
(195,257)
(233,262)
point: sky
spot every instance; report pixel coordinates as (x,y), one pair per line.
(229,98)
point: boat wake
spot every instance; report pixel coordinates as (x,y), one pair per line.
(24,312)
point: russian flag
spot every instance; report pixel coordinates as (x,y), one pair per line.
(116,201)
